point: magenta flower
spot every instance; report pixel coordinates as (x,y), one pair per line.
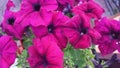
(62,4)
(79,32)
(10,4)
(85,0)
(110,32)
(33,12)
(52,27)
(8,51)
(13,23)
(90,9)
(11,26)
(30,6)
(45,53)
(37,5)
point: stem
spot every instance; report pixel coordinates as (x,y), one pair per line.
(21,47)
(21,41)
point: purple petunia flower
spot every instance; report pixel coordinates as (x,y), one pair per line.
(37,5)
(79,32)
(9,5)
(37,11)
(11,26)
(8,49)
(110,32)
(45,53)
(53,27)
(35,8)
(85,0)
(30,6)
(62,4)
(90,9)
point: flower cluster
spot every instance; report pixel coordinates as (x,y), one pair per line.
(55,23)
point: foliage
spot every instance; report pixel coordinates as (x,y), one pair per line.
(77,58)
(22,62)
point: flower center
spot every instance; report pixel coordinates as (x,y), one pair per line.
(45,62)
(36,7)
(115,35)
(11,21)
(50,28)
(88,10)
(83,31)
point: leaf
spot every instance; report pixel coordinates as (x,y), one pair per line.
(22,62)
(77,57)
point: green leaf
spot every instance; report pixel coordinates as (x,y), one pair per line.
(22,62)
(77,57)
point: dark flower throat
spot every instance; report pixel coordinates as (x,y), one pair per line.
(83,31)
(36,7)
(50,28)
(115,35)
(89,11)
(11,21)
